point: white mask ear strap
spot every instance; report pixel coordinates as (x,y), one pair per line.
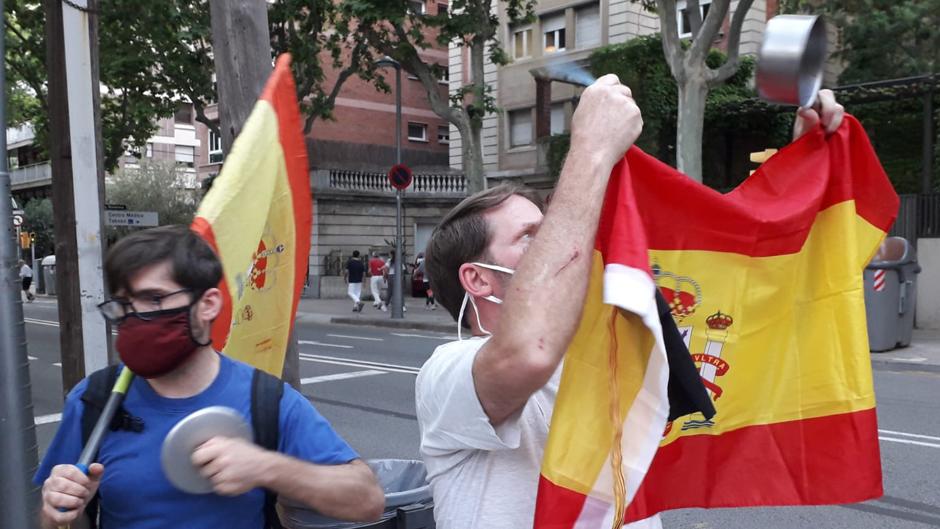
(463,308)
(477,312)
(497,268)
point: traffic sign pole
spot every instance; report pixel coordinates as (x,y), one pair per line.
(18,455)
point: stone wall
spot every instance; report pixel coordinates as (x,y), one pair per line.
(927,314)
(364,221)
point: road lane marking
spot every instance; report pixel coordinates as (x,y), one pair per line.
(57,364)
(341,376)
(355,337)
(352,362)
(31,357)
(909,442)
(905,434)
(50,323)
(47,323)
(410,335)
(310,342)
(46,419)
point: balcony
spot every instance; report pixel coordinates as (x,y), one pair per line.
(369,183)
(36,175)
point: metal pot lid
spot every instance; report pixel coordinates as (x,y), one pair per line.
(192,431)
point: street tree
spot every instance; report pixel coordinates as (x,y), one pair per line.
(688,64)
(881,39)
(158,55)
(392,29)
(153,185)
(38,220)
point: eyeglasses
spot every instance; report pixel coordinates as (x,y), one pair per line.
(116,310)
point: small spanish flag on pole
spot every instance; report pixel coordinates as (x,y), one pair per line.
(257,217)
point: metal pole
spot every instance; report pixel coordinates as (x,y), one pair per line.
(398,300)
(928,146)
(18,453)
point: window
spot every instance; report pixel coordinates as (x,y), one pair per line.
(184,114)
(558,119)
(445,75)
(185,155)
(520,128)
(522,43)
(441,9)
(553,28)
(417,132)
(685,26)
(443,134)
(215,148)
(416,7)
(149,152)
(587,33)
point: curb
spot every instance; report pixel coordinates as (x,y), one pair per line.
(396,324)
(900,365)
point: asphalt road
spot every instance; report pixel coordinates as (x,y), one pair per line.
(362,380)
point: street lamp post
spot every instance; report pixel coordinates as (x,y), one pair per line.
(397,298)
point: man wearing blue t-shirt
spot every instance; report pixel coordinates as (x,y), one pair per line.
(163,281)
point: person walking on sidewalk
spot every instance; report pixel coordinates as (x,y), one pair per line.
(377,280)
(420,268)
(163,282)
(26,278)
(353,277)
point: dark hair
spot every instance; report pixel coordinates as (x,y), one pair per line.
(462,237)
(356,253)
(194,263)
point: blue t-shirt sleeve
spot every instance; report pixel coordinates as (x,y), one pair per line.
(66,446)
(306,435)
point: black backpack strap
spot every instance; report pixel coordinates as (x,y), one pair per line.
(266,392)
(94,398)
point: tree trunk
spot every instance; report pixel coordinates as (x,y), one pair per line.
(473,160)
(242,48)
(691,119)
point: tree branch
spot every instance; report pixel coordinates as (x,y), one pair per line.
(730,66)
(201,117)
(693,7)
(669,29)
(703,39)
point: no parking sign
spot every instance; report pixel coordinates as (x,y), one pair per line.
(400,176)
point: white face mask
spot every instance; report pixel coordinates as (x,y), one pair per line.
(492,299)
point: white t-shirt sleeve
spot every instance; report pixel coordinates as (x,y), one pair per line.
(450,415)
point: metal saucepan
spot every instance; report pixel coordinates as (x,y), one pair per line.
(791,60)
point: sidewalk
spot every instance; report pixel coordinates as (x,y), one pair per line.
(340,311)
(922,355)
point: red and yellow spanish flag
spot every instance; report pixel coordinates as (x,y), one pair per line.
(257,217)
(765,284)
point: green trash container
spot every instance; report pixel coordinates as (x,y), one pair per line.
(891,295)
(408,503)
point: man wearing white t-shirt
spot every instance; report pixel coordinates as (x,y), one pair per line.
(484,403)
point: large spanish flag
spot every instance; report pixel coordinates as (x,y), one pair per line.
(257,217)
(765,284)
